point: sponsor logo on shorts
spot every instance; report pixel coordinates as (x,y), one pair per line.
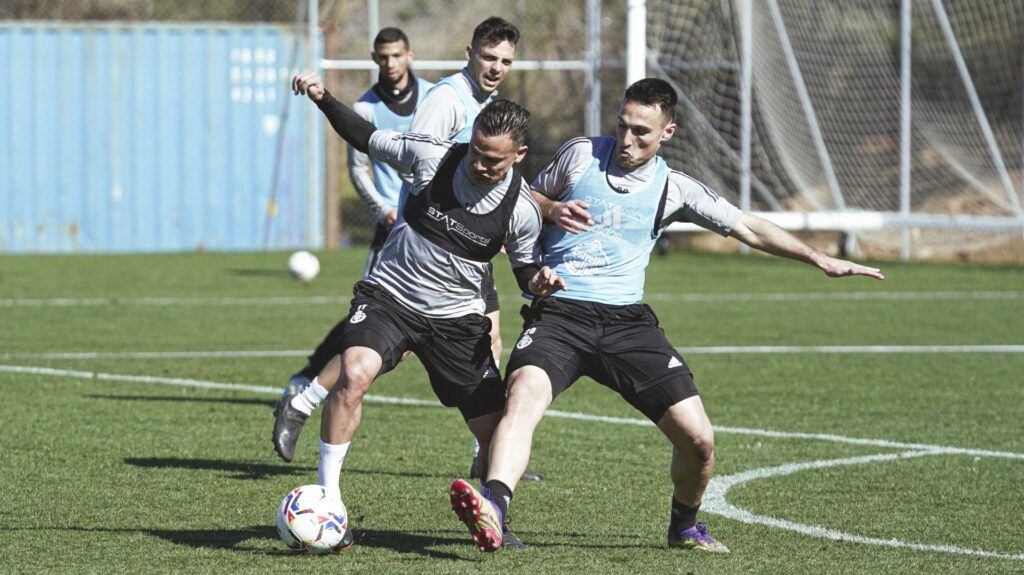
(674,362)
(490,373)
(359,315)
(526,340)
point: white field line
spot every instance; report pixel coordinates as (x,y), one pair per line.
(731,349)
(174,301)
(270,390)
(838,296)
(715,502)
(650,296)
(159,354)
(710,350)
(714,499)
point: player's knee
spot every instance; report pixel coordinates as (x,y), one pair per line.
(358,376)
(703,443)
(529,388)
(355,381)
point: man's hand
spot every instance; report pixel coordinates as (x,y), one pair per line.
(571,216)
(546,282)
(390,218)
(836,268)
(308,83)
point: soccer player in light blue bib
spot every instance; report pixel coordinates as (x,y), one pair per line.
(605,202)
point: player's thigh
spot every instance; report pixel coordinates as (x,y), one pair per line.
(373,323)
(685,423)
(462,372)
(636,354)
(638,361)
(555,344)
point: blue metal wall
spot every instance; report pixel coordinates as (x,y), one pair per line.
(151,137)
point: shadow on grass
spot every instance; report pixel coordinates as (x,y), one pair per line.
(233,539)
(248,470)
(259,536)
(231,401)
(238,469)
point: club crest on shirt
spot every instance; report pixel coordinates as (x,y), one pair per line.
(358,316)
(586,258)
(526,340)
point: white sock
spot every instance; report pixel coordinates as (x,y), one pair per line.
(332,457)
(310,397)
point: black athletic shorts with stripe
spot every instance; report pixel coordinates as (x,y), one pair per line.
(456,352)
(620,347)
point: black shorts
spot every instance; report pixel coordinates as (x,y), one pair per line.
(490,291)
(620,347)
(455,351)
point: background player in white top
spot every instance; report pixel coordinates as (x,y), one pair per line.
(389,104)
(605,202)
(465,202)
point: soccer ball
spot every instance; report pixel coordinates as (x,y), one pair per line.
(310,521)
(304,266)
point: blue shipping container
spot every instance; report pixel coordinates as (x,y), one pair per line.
(154,137)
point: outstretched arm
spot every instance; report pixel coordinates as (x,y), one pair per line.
(762,234)
(345,121)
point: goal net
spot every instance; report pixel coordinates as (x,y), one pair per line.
(826,111)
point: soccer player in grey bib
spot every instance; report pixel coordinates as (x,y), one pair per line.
(466,202)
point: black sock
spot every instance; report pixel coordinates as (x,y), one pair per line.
(501,495)
(683,516)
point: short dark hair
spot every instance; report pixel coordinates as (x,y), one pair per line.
(390,35)
(503,116)
(495,30)
(654,92)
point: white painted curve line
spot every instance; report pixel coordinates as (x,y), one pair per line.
(715,502)
(769,349)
